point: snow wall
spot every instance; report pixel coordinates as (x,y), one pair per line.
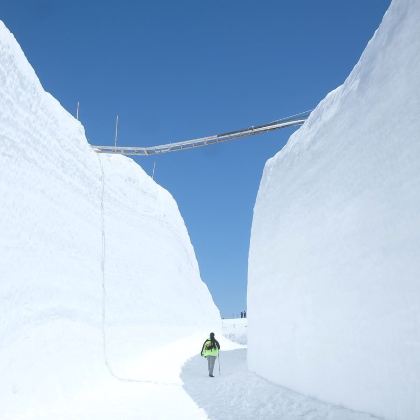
(334,262)
(66,213)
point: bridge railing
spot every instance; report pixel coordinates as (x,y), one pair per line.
(294,120)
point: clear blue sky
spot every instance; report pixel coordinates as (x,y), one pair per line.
(175,70)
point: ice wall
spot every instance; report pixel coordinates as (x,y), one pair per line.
(334,262)
(65,214)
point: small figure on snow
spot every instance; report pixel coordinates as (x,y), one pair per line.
(242,314)
(210,350)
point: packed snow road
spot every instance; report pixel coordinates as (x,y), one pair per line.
(170,384)
(239,394)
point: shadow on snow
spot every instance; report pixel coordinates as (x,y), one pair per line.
(239,394)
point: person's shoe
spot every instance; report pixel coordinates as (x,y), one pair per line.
(211,376)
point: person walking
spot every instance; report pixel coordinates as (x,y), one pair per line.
(210,351)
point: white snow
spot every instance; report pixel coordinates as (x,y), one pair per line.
(235,329)
(65,214)
(334,263)
(236,393)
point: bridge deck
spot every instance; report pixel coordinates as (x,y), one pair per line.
(293,120)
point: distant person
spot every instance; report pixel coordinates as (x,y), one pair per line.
(242,314)
(210,350)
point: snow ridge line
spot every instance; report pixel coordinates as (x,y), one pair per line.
(104,293)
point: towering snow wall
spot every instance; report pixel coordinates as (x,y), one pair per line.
(95,259)
(334,263)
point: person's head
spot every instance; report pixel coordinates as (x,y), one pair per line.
(211,336)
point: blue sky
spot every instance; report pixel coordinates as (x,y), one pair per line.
(178,70)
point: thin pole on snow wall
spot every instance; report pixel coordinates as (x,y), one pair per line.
(116,132)
(77,110)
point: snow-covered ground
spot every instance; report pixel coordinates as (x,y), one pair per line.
(98,274)
(103,309)
(235,329)
(236,394)
(334,263)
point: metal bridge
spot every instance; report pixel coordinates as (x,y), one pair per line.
(293,120)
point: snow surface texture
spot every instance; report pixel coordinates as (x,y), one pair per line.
(334,263)
(67,213)
(235,329)
(236,393)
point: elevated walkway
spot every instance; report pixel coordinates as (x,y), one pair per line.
(294,120)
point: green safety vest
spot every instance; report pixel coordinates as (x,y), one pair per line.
(210,352)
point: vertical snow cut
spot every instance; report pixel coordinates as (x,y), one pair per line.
(55,299)
(334,261)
